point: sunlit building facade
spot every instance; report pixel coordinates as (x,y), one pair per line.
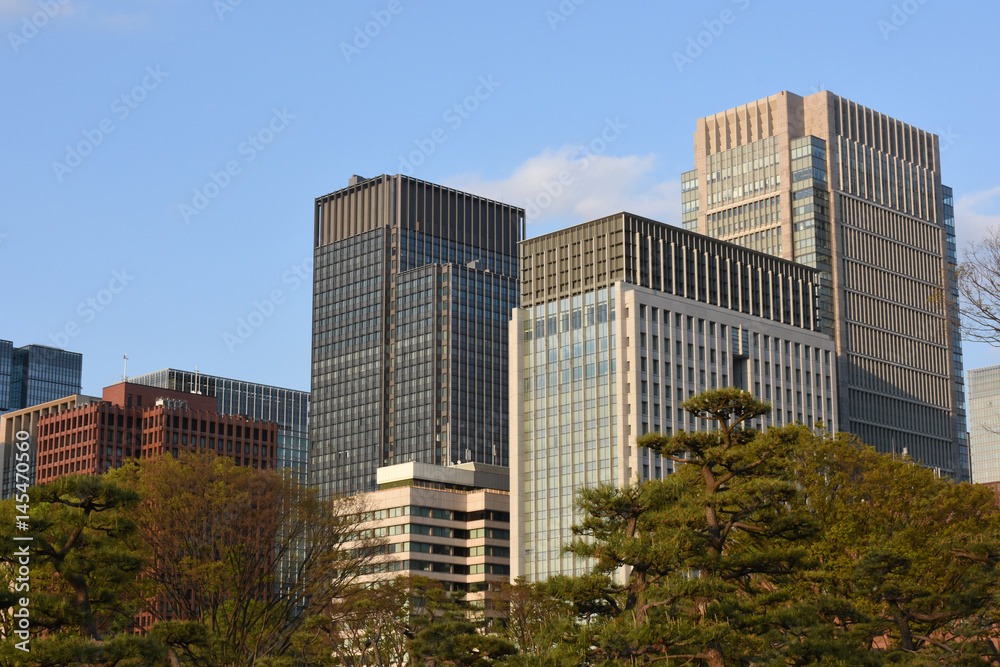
(289,408)
(857,195)
(984,423)
(621,320)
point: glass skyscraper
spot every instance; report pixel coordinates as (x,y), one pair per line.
(857,195)
(36,374)
(621,320)
(289,408)
(413,287)
(6,359)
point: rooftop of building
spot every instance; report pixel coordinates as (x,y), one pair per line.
(135,379)
(356,181)
(709,241)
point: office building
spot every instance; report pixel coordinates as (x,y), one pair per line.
(289,408)
(995,487)
(413,287)
(984,423)
(16,423)
(450,523)
(136,421)
(36,374)
(6,360)
(857,195)
(621,320)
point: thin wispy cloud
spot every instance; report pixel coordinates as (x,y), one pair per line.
(976,213)
(87,15)
(569,185)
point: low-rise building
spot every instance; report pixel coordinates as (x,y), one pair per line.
(450,523)
(22,426)
(136,421)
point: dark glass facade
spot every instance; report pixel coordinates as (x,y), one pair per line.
(289,408)
(36,374)
(6,357)
(414,284)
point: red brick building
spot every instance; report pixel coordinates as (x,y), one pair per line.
(135,421)
(996,489)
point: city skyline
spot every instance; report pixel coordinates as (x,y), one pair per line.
(162,136)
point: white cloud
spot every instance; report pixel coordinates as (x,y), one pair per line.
(975,214)
(570,185)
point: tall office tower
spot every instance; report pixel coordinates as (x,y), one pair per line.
(858,196)
(621,320)
(289,408)
(36,374)
(6,359)
(984,423)
(413,287)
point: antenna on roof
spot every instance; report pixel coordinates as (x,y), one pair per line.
(196,388)
(125,371)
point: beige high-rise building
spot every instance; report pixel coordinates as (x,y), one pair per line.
(858,196)
(621,320)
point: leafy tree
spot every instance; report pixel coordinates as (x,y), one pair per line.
(84,582)
(256,558)
(535,618)
(698,564)
(441,632)
(413,620)
(917,555)
(374,628)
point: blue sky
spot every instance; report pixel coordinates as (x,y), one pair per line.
(161,157)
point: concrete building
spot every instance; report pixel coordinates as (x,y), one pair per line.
(413,287)
(136,421)
(13,426)
(995,487)
(621,320)
(289,408)
(984,423)
(857,195)
(35,374)
(450,523)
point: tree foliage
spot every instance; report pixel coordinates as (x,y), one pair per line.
(788,547)
(247,553)
(84,585)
